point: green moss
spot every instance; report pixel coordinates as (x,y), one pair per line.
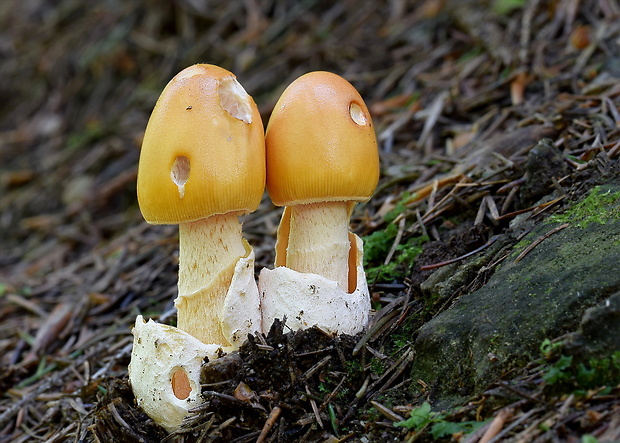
(376,248)
(423,418)
(376,366)
(402,337)
(371,414)
(324,387)
(398,209)
(353,367)
(567,375)
(505,7)
(600,206)
(377,244)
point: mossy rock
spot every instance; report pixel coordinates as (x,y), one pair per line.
(544,294)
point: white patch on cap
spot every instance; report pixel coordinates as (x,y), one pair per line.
(190,72)
(180,173)
(357,114)
(234,100)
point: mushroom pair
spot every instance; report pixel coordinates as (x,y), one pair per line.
(204,162)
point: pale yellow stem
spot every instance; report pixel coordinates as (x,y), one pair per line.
(208,251)
(318,240)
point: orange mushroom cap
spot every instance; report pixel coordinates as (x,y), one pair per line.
(320,143)
(203,151)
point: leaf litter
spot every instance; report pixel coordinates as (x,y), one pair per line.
(461,93)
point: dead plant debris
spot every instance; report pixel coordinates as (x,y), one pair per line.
(463,94)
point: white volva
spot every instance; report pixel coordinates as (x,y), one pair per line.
(307,299)
(158,351)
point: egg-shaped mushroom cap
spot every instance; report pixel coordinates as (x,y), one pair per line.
(203,151)
(321,144)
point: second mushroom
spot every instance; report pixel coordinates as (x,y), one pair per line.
(322,157)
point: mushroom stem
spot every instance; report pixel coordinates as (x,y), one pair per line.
(318,240)
(208,251)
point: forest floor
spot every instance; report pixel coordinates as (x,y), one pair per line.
(460,93)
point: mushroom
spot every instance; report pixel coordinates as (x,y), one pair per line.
(322,157)
(202,165)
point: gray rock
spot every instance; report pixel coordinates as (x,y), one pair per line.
(544,162)
(599,334)
(543,295)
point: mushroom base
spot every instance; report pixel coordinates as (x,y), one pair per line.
(307,299)
(158,352)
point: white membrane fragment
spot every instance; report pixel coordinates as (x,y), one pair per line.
(235,100)
(158,352)
(161,350)
(308,300)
